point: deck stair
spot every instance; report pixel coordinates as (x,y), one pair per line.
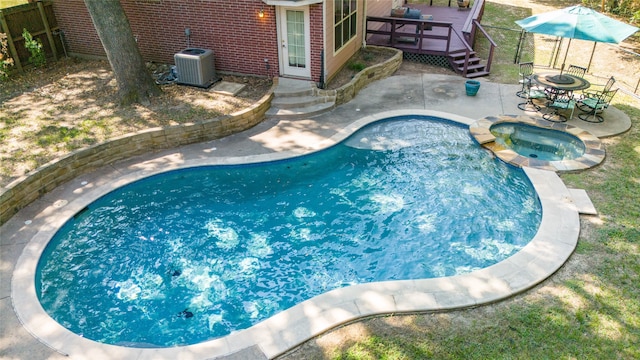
(298,99)
(474,68)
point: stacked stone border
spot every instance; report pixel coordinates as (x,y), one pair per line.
(23,191)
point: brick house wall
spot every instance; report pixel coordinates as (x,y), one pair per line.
(317,40)
(239,38)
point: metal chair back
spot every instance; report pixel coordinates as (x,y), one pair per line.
(609,84)
(576,70)
(526,70)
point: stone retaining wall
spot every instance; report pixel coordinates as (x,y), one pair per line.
(38,182)
(368,75)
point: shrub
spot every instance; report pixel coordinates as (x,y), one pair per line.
(5,60)
(357,66)
(34,46)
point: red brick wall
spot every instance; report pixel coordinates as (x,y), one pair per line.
(317,40)
(239,38)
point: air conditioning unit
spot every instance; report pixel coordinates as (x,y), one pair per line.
(195,67)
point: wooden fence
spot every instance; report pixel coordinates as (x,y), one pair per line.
(39,19)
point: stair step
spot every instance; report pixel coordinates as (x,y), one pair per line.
(294,88)
(477,74)
(461,54)
(300,112)
(299,101)
(472,67)
(473,60)
(293,93)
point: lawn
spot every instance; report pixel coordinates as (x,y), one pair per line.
(10,3)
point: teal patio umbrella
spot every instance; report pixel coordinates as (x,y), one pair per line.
(578,22)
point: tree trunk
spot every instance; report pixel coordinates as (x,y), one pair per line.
(134,81)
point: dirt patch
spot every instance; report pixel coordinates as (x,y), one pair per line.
(72,103)
(358,62)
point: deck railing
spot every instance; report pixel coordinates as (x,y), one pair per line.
(492,44)
(467,49)
(395,29)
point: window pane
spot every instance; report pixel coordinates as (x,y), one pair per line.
(354,27)
(345,31)
(295,38)
(345,24)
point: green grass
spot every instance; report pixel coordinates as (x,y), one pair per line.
(499,23)
(10,3)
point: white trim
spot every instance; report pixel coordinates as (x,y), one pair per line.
(286,70)
(291,3)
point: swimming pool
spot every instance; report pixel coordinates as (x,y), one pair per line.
(544,254)
(196,254)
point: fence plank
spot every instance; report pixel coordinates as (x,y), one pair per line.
(12,47)
(45,22)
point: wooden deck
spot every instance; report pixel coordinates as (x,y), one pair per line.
(443,31)
(407,33)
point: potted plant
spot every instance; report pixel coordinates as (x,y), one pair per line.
(463,3)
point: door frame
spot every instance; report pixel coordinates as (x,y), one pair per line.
(281,20)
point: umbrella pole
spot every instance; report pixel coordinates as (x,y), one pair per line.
(564,61)
(557,47)
(592,52)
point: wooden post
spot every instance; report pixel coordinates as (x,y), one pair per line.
(47,28)
(12,47)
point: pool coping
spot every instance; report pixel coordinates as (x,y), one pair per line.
(594,152)
(552,245)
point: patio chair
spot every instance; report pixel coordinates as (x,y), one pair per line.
(531,92)
(560,101)
(526,70)
(593,107)
(596,93)
(576,70)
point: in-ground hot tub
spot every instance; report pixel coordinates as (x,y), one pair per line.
(538,143)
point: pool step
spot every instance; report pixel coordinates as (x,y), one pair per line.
(298,99)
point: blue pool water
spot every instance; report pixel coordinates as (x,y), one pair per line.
(538,143)
(195,254)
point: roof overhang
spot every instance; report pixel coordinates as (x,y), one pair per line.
(291,3)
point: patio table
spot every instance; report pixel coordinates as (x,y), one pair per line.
(560,84)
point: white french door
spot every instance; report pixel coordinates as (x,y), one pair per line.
(295,53)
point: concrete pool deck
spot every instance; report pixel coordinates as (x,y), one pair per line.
(23,236)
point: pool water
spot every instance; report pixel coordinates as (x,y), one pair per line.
(192,255)
(538,143)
